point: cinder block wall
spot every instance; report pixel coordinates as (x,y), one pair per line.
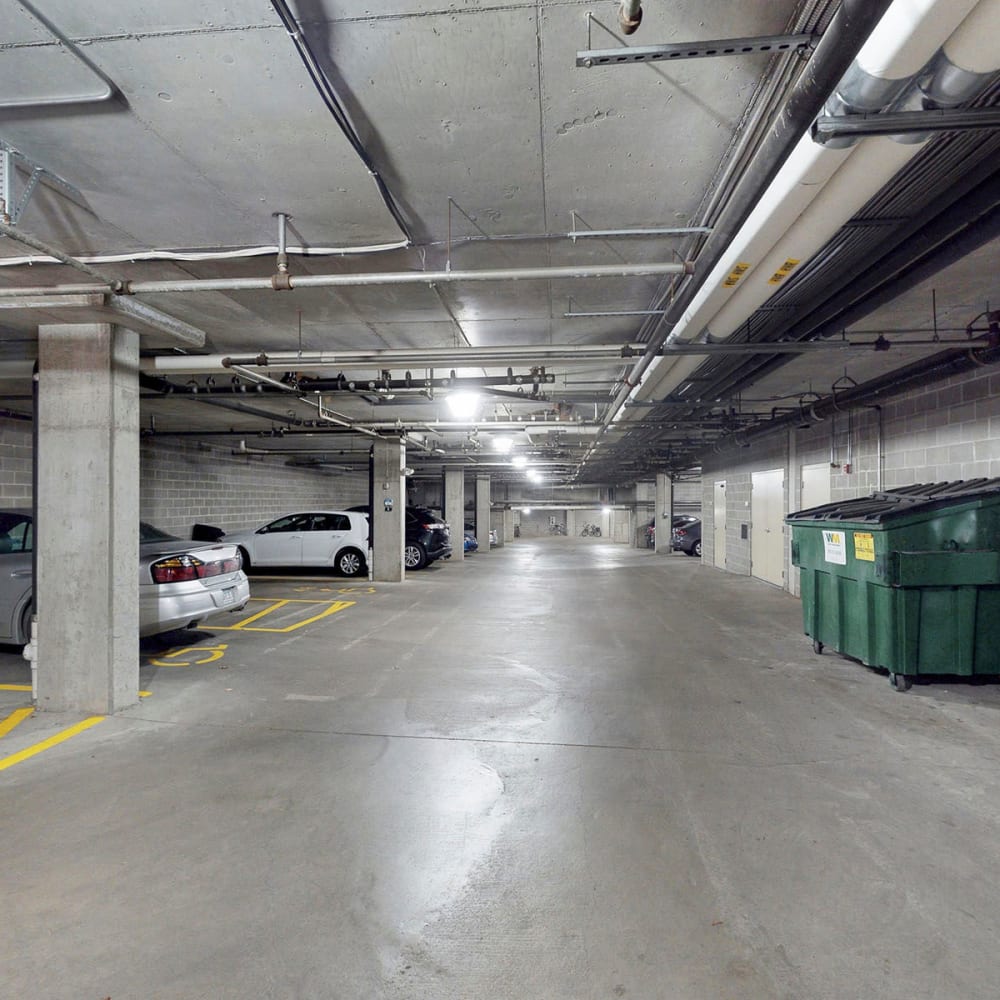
(15,463)
(947,431)
(184,484)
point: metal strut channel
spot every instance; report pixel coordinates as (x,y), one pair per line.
(695,50)
(13,206)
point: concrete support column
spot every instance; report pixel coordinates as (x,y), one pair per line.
(664,511)
(483,513)
(508,526)
(388,490)
(87,535)
(454,510)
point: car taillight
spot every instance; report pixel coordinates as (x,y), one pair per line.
(680,531)
(178,569)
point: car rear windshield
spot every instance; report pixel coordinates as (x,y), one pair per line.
(147,533)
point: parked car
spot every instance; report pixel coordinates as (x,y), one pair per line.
(686,538)
(471,543)
(427,537)
(332,539)
(179,582)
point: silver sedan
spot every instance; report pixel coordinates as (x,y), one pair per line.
(179,582)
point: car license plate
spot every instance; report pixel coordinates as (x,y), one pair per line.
(228,595)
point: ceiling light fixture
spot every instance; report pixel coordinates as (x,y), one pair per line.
(463,405)
(519,461)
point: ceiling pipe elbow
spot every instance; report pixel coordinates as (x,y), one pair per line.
(630,16)
(959,72)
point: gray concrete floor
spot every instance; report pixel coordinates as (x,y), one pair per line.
(566,770)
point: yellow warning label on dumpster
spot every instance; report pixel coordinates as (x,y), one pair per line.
(864,546)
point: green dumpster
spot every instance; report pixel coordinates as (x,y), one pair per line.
(906,579)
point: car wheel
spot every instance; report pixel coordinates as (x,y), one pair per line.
(26,624)
(245,557)
(350,562)
(414,556)
(696,549)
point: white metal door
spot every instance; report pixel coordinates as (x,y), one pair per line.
(815,485)
(719,522)
(767,535)
(814,490)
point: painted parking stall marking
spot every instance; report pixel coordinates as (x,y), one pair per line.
(28,752)
(274,609)
(15,719)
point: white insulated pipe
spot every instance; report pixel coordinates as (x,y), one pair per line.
(427,357)
(354,280)
(798,215)
(410,278)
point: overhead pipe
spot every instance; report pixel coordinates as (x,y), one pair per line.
(104,93)
(819,188)
(630,16)
(355,280)
(916,259)
(967,208)
(962,68)
(927,372)
(18,235)
(833,55)
(389,358)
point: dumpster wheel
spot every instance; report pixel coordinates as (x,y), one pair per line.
(901,682)
(817,647)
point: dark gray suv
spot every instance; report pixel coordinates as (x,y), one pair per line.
(427,538)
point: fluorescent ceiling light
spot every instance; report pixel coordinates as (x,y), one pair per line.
(534,475)
(519,461)
(503,444)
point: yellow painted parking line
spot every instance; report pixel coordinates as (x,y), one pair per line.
(15,687)
(244,626)
(15,719)
(28,752)
(145,694)
(309,589)
(272,606)
(174,656)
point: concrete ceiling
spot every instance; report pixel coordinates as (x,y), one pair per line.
(184,126)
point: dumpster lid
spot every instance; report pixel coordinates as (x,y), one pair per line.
(888,504)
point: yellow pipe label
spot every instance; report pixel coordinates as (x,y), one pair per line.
(783,272)
(736,273)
